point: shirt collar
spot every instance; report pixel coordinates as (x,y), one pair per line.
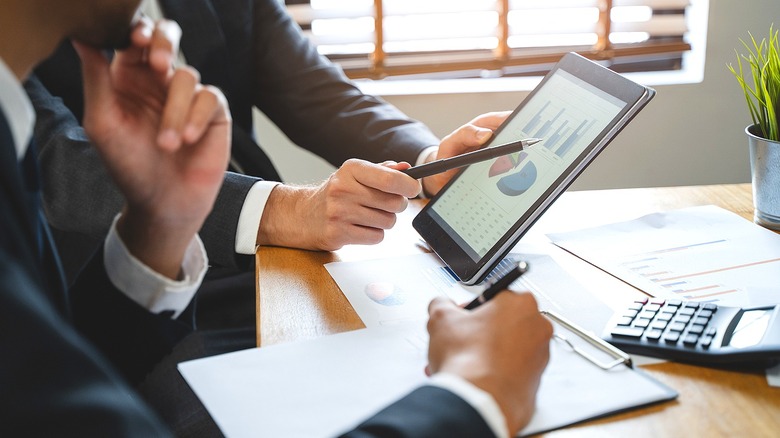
(17,108)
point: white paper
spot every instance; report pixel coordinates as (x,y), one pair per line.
(699,254)
(409,283)
(325,386)
(705,254)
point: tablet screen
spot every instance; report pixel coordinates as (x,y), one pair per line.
(487,202)
(489,197)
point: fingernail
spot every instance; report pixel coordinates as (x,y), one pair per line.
(169,139)
(483,134)
(190,133)
(146,30)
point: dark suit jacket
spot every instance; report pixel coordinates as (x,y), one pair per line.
(256,54)
(59,349)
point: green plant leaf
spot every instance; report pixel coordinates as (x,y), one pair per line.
(761,65)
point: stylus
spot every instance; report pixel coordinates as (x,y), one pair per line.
(446,164)
(499,285)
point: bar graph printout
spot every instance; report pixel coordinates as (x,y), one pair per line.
(704,254)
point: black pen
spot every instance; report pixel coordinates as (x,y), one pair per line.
(483,154)
(499,285)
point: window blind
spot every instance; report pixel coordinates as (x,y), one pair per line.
(478,38)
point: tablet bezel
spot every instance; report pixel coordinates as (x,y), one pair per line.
(446,246)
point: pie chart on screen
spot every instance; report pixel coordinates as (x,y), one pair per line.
(385,293)
(517,183)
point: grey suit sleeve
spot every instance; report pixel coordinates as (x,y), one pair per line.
(79,197)
(314,104)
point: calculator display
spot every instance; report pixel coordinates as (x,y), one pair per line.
(750,328)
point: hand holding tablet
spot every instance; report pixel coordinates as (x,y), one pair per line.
(479,216)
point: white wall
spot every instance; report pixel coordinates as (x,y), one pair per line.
(688,135)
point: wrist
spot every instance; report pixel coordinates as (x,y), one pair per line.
(159,244)
(282,221)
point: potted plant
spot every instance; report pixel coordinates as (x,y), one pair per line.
(758,73)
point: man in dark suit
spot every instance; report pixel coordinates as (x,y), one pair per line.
(66,355)
(255,53)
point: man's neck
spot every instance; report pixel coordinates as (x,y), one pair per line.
(26,36)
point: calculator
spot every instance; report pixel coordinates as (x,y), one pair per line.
(689,331)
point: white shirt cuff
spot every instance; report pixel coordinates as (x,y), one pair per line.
(425,154)
(429,152)
(151,290)
(251,213)
(480,400)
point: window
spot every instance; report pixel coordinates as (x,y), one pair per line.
(492,38)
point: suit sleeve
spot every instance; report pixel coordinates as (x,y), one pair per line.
(79,197)
(131,337)
(54,382)
(317,106)
(427,411)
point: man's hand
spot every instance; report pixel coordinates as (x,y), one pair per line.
(501,347)
(165,139)
(355,205)
(467,138)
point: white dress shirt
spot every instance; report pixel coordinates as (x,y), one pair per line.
(141,284)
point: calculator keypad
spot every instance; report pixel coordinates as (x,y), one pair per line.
(672,322)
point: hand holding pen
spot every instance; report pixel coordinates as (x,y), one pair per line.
(498,285)
(463,160)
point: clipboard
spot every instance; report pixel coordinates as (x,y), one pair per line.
(338,375)
(618,356)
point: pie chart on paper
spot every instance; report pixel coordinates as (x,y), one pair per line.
(385,293)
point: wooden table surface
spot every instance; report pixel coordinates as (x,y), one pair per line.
(297,299)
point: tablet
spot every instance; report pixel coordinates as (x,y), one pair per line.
(577,109)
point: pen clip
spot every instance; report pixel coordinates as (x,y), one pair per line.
(619,357)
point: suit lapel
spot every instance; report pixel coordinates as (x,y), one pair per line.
(37,248)
(12,180)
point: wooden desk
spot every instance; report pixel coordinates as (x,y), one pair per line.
(297,299)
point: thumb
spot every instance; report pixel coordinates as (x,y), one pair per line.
(403,165)
(95,69)
(482,135)
(438,305)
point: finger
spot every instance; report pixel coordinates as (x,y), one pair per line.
(403,165)
(361,235)
(208,107)
(164,46)
(181,93)
(95,73)
(440,306)
(142,32)
(140,38)
(384,179)
(470,137)
(491,120)
(371,218)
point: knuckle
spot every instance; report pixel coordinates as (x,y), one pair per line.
(187,73)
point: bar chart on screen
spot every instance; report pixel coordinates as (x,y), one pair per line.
(701,254)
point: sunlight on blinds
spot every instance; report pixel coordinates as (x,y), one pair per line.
(375,38)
